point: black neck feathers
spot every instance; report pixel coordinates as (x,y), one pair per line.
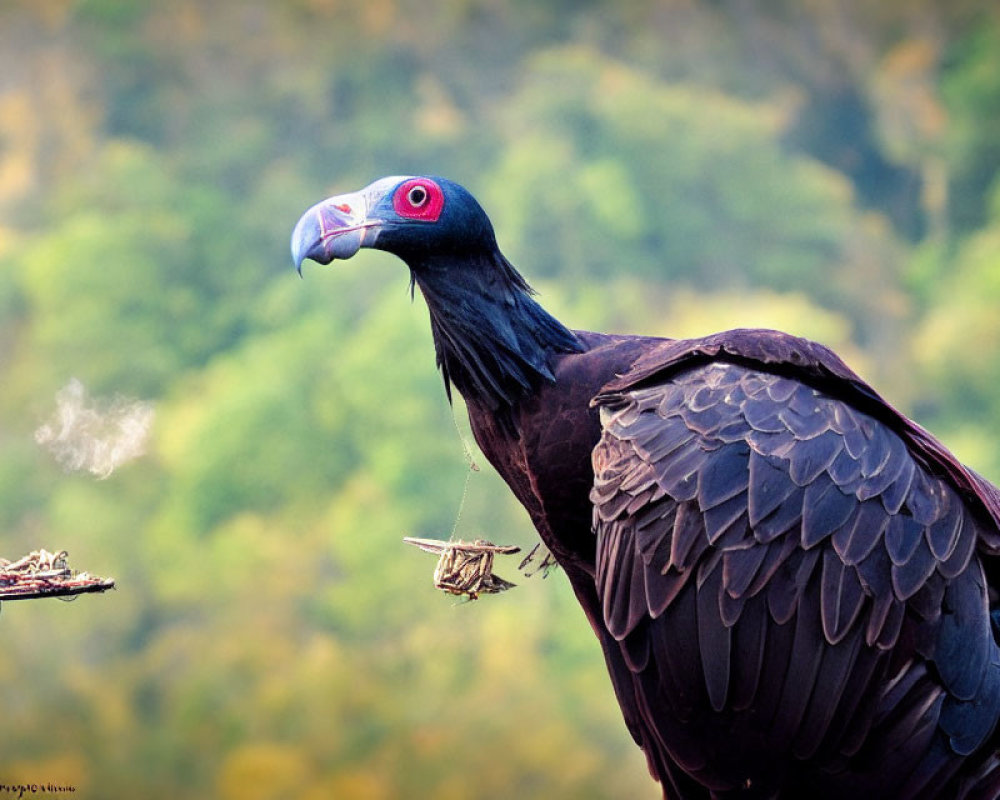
(494,342)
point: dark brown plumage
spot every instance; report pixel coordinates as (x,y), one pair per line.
(791,582)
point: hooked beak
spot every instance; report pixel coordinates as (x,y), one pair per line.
(339,226)
(334,228)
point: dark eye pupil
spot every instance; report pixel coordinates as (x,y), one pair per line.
(418,195)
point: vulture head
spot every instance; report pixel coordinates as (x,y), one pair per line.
(493,342)
(422,220)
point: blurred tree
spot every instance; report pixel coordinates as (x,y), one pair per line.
(130,282)
(971,89)
(958,351)
(607,171)
(913,121)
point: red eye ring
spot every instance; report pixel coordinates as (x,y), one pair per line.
(419,199)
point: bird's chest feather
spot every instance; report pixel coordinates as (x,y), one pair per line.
(547,463)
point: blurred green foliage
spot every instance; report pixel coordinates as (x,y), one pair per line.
(663,167)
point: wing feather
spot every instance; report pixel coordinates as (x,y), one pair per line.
(768,486)
(806,657)
(815,459)
(766,555)
(724,477)
(750,641)
(740,567)
(830,689)
(825,509)
(714,638)
(841,597)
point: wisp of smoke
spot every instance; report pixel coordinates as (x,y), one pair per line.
(98,436)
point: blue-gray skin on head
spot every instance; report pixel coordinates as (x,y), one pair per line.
(413,217)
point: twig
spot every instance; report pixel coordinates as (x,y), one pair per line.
(45,574)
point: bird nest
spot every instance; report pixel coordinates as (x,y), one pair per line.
(466,568)
(45,574)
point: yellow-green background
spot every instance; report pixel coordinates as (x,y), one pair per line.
(828,167)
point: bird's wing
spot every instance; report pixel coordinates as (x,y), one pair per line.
(818,366)
(790,568)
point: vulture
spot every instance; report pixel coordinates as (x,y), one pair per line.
(792,583)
